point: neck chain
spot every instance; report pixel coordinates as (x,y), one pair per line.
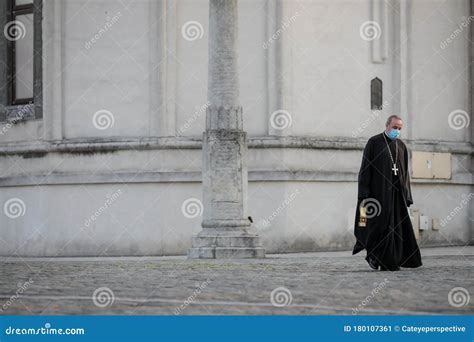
(394,168)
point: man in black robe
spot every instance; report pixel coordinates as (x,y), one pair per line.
(384,192)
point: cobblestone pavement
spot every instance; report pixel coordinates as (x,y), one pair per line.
(304,283)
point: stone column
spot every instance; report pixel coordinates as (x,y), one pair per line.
(226,229)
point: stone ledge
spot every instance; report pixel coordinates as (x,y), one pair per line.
(91,145)
(195,177)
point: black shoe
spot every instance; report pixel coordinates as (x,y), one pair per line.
(373,263)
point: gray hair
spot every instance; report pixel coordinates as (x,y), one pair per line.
(389,120)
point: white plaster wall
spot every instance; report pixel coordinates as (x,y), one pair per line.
(252,65)
(440,82)
(331,68)
(112,74)
(29,131)
(191,67)
(143,219)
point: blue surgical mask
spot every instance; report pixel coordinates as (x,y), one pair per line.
(394,133)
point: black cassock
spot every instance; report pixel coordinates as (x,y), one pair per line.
(388,236)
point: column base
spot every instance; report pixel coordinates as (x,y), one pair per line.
(228,246)
(225,253)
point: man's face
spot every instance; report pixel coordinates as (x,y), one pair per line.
(395,124)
